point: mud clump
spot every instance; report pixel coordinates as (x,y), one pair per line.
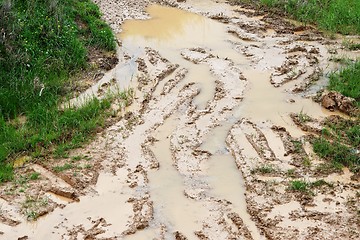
(143,213)
(336,101)
(236,219)
(108,63)
(179,236)
(88,234)
(70,194)
(8,221)
(23,238)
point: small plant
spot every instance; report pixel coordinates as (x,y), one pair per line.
(306,162)
(298,185)
(44,202)
(351,45)
(298,146)
(337,153)
(303,117)
(341,60)
(88,166)
(32,205)
(291,173)
(29,201)
(21,180)
(265,169)
(325,132)
(31,215)
(320,183)
(76,158)
(127,96)
(34,176)
(65,167)
(327,168)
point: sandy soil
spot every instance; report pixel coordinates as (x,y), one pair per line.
(211,143)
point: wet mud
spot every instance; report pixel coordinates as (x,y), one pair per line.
(211,143)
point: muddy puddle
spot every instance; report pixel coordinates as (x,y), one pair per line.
(110,203)
(225,179)
(183,161)
(171,206)
(262,102)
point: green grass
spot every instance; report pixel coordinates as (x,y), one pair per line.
(45,42)
(298,185)
(339,144)
(6,172)
(337,153)
(307,187)
(298,146)
(265,169)
(34,176)
(346,131)
(349,44)
(303,117)
(42,44)
(341,16)
(347,81)
(65,167)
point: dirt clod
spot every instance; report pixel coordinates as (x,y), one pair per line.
(336,101)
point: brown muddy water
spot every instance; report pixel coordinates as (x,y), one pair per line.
(171,32)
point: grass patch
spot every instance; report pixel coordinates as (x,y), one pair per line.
(42,44)
(306,162)
(307,187)
(341,60)
(320,183)
(34,176)
(303,117)
(346,131)
(347,80)
(337,153)
(265,169)
(6,172)
(298,146)
(46,127)
(341,16)
(64,167)
(298,185)
(291,172)
(340,140)
(351,45)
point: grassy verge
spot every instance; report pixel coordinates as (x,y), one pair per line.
(42,44)
(340,140)
(347,81)
(342,16)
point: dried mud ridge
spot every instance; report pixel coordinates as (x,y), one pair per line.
(104,191)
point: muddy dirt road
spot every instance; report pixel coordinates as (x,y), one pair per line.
(208,148)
